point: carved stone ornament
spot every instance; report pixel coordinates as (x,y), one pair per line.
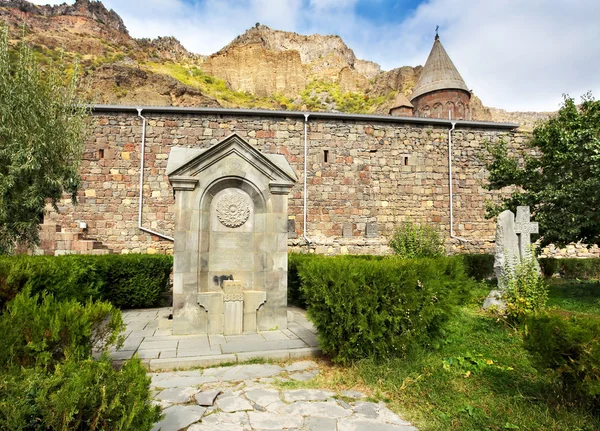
(233,209)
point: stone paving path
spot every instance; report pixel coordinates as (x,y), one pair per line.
(243,398)
(149,334)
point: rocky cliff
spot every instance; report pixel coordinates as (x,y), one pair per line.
(93,10)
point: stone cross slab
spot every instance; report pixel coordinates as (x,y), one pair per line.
(524,228)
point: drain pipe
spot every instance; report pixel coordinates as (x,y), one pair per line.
(450,179)
(140,227)
(305,228)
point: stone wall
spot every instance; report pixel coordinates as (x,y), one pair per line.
(364,178)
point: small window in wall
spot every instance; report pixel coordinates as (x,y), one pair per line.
(405,161)
(101,154)
(325,156)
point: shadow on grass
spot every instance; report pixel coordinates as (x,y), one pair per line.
(582,296)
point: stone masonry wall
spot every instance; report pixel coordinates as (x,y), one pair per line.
(364,178)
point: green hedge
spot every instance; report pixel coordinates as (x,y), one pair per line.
(570,349)
(380,308)
(571,268)
(127,281)
(48,378)
(295,294)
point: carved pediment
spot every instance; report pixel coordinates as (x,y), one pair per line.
(232,155)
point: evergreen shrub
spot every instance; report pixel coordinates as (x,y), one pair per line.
(570,349)
(416,240)
(48,378)
(78,395)
(134,280)
(295,293)
(127,281)
(380,308)
(571,268)
(43,331)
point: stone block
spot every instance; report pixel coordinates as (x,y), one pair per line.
(347,230)
(371,230)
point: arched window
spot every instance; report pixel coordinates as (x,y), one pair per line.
(460,111)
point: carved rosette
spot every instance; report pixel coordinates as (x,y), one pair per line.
(233,209)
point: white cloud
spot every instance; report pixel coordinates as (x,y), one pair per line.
(517,55)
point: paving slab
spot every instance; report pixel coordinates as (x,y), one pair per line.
(306,395)
(317,423)
(206,398)
(233,403)
(304,375)
(177,395)
(263,397)
(274,421)
(179,417)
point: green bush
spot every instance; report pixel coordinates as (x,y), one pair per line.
(380,308)
(416,240)
(479,266)
(134,280)
(48,379)
(570,348)
(43,331)
(126,281)
(295,293)
(583,269)
(525,291)
(78,395)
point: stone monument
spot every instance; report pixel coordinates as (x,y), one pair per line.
(230,254)
(513,245)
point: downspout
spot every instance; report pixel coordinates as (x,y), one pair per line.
(140,227)
(450,179)
(305,226)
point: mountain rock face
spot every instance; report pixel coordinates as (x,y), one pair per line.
(255,70)
(264,61)
(94,10)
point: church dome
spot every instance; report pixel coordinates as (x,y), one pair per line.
(439,73)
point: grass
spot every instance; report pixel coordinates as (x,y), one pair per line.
(581,296)
(480,378)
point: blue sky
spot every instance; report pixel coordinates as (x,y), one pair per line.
(514,54)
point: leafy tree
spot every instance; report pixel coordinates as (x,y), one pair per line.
(558,175)
(42,124)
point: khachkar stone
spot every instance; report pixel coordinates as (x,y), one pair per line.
(506,255)
(524,228)
(231,230)
(513,246)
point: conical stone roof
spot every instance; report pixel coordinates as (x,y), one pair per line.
(401,101)
(439,73)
